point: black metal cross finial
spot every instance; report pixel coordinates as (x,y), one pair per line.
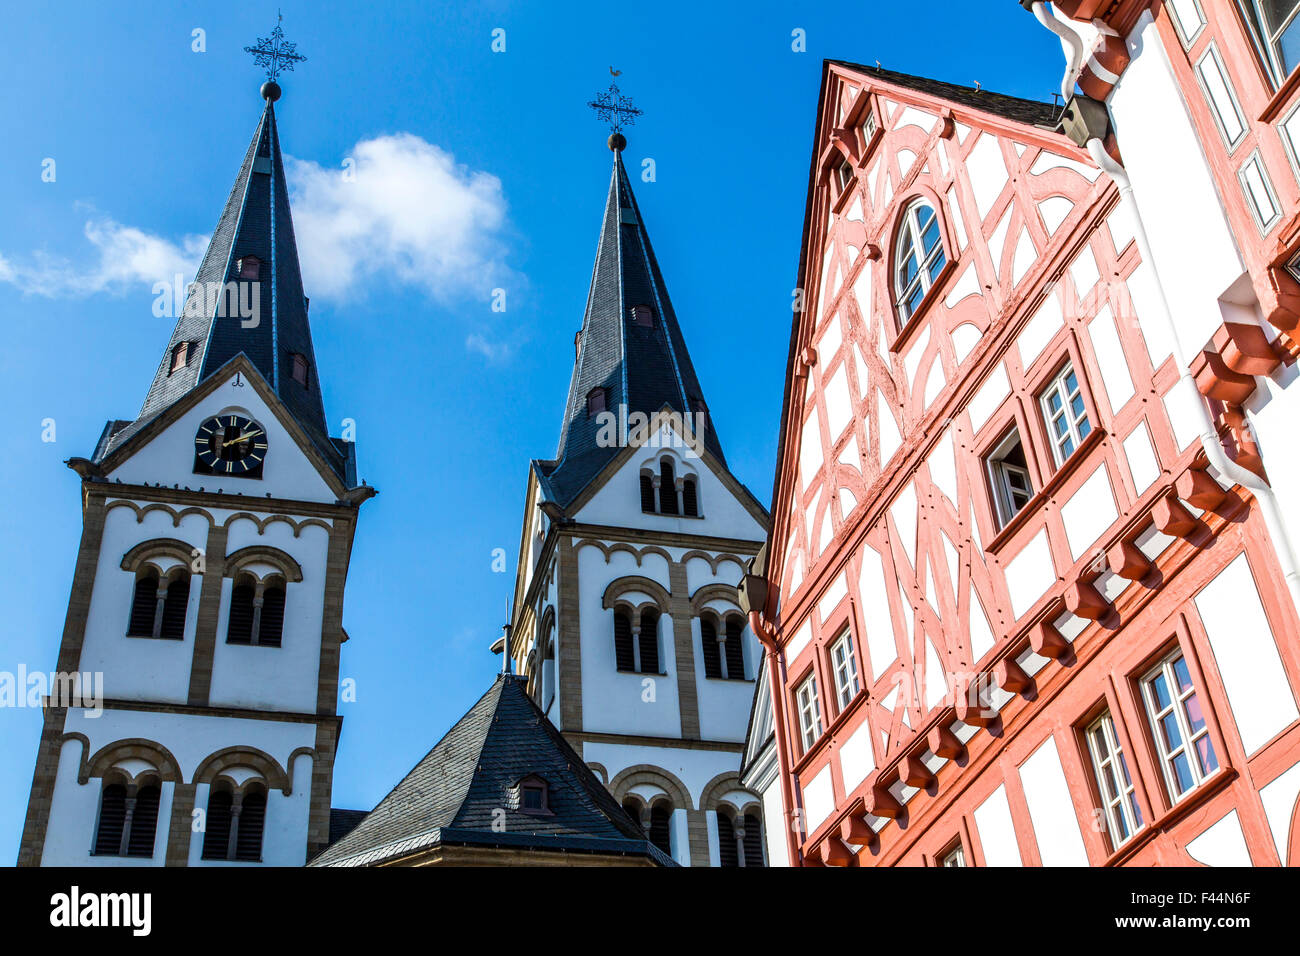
(614,108)
(275,53)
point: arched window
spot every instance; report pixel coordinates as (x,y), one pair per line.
(234,823)
(112,819)
(918,259)
(144,604)
(239,629)
(728,854)
(753,841)
(667,488)
(159,613)
(709,645)
(647,493)
(660,831)
(624,655)
(690,500)
(648,642)
(256,612)
(144,822)
(735,649)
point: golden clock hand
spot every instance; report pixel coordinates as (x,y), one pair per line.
(244,437)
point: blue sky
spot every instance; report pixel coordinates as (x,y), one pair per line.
(509,170)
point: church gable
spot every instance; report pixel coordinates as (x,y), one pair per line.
(191,445)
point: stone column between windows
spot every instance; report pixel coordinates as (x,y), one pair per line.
(679,606)
(697,831)
(74,634)
(205,628)
(180,828)
(569,638)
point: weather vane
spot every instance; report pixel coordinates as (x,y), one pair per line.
(275,53)
(614,108)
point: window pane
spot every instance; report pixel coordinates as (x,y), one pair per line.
(1085,427)
(1182,675)
(1182,773)
(1160,690)
(937,265)
(930,235)
(1195,718)
(1169,728)
(1076,407)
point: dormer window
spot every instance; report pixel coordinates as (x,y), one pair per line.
(844,173)
(298,368)
(248,267)
(869,126)
(534,795)
(595,402)
(180,356)
(643,316)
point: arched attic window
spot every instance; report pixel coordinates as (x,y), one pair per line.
(256,611)
(753,841)
(647,492)
(636,640)
(648,642)
(734,647)
(690,497)
(711,651)
(234,822)
(128,818)
(667,488)
(660,826)
(624,655)
(918,258)
(728,852)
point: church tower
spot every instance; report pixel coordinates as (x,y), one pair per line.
(207,600)
(627,622)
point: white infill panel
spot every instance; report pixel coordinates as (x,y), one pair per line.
(996,832)
(1056,826)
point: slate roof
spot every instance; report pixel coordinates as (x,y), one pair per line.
(454,795)
(343,822)
(1032,112)
(256,221)
(643,368)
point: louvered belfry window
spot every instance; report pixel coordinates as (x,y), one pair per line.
(174,607)
(659,829)
(216,826)
(753,840)
(252,817)
(112,817)
(271,626)
(649,642)
(144,605)
(712,653)
(647,494)
(240,627)
(690,501)
(735,649)
(667,488)
(144,822)
(624,656)
(727,855)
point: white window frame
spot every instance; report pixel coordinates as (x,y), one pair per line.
(1289,130)
(927,263)
(1264,45)
(810,716)
(1195,7)
(1074,433)
(1123,815)
(1212,59)
(1257,161)
(1178,707)
(844,174)
(1003,475)
(844,665)
(955,857)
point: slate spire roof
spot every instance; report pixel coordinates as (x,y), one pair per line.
(455,795)
(255,223)
(644,368)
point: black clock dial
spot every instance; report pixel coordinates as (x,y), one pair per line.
(230,445)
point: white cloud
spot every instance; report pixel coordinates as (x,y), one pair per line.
(493,352)
(401,207)
(404,210)
(125,256)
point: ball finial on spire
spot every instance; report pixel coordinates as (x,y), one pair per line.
(270,91)
(617,142)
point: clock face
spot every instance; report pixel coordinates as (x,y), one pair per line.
(231,445)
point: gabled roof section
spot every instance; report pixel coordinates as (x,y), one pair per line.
(643,368)
(1033,112)
(454,795)
(255,223)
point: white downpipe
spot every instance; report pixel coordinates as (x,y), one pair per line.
(1226,467)
(1072,41)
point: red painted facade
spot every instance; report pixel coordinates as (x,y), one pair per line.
(986,645)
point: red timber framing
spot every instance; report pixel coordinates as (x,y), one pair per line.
(986,644)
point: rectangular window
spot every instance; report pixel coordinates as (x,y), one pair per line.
(1290,130)
(1178,725)
(1009,477)
(1188,19)
(869,126)
(1223,103)
(1275,29)
(954,856)
(1064,414)
(1263,204)
(1114,784)
(810,718)
(845,172)
(845,667)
